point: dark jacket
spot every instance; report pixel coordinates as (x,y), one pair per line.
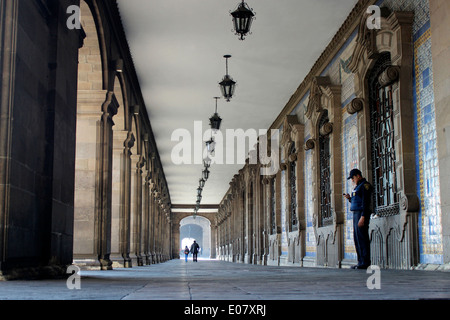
(195,247)
(361,197)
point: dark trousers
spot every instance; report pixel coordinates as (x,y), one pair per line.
(194,256)
(362,240)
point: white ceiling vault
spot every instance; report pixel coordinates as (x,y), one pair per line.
(178,47)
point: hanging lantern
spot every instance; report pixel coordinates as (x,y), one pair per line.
(202,183)
(205,174)
(227,86)
(211,145)
(207,162)
(199,191)
(242,19)
(215,121)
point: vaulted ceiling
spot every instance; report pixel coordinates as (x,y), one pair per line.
(178,48)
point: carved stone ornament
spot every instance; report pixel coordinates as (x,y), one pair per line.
(355,106)
(326,129)
(410,203)
(310,144)
(389,76)
(292,157)
(283,166)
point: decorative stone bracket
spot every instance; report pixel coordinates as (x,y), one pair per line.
(310,144)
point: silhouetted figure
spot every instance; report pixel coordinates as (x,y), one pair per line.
(194,250)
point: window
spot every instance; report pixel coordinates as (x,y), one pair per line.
(382,133)
(325,173)
(273,203)
(293,191)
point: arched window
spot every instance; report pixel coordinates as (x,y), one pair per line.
(273,206)
(382,133)
(325,174)
(293,191)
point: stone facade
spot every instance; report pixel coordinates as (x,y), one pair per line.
(327,129)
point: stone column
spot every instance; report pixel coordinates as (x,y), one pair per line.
(136,206)
(214,231)
(125,212)
(104,181)
(120,156)
(88,114)
(146,216)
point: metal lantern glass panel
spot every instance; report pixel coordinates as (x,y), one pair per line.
(242,19)
(201,183)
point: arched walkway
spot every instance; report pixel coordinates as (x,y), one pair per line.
(198,229)
(122,204)
(180,230)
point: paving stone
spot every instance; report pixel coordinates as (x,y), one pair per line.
(209,280)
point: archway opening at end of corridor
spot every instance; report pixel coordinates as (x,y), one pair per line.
(199,230)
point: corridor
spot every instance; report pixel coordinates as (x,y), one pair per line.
(225,281)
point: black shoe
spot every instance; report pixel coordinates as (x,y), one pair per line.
(364,267)
(354,267)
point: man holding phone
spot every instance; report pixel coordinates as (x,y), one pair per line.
(360,206)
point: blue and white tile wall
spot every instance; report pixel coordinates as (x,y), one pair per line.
(427,177)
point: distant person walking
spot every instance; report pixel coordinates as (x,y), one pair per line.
(186,253)
(194,250)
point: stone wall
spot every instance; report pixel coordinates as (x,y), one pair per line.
(417,233)
(38,114)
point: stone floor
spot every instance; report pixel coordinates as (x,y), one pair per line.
(218,280)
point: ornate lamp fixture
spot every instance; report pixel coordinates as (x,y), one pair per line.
(227,85)
(201,183)
(242,19)
(211,145)
(199,191)
(207,162)
(215,120)
(205,174)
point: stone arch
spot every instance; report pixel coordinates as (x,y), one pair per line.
(205,240)
(177,217)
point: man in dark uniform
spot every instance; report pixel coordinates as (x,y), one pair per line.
(360,205)
(194,250)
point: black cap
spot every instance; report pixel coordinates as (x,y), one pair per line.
(353,173)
